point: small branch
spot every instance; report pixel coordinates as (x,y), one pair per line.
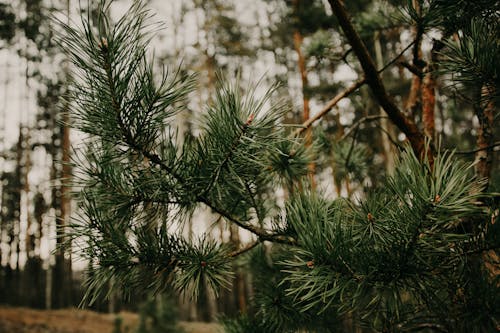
(412,68)
(396,57)
(465,152)
(358,123)
(244,249)
(329,106)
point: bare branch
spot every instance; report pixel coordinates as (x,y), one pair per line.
(329,106)
(244,249)
(359,122)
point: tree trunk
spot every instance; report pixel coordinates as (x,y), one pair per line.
(297,44)
(484,114)
(384,124)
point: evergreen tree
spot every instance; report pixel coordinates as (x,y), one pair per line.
(406,257)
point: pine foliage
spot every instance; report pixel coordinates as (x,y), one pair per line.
(405,257)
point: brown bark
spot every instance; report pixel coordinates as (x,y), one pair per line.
(429,104)
(429,92)
(297,42)
(384,126)
(406,125)
(484,155)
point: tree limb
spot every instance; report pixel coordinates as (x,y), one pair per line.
(329,106)
(407,126)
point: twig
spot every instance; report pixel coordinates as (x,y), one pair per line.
(396,57)
(412,68)
(244,249)
(465,152)
(358,123)
(329,106)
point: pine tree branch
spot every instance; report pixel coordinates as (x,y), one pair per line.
(154,158)
(406,125)
(229,154)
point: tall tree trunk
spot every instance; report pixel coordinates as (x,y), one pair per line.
(484,113)
(301,62)
(62,278)
(384,124)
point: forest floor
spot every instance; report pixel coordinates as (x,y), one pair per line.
(24,320)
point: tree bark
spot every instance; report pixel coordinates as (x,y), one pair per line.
(485,138)
(406,125)
(384,125)
(301,62)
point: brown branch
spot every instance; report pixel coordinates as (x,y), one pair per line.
(465,152)
(358,123)
(329,106)
(244,249)
(407,126)
(412,68)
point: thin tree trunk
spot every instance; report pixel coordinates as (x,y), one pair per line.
(63,278)
(384,125)
(484,114)
(297,43)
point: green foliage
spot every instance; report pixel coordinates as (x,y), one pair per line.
(404,255)
(384,257)
(474,59)
(137,183)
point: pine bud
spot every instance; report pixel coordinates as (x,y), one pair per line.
(103,44)
(437,198)
(310,264)
(250,119)
(203,264)
(370,217)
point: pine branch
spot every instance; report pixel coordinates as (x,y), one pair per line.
(229,154)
